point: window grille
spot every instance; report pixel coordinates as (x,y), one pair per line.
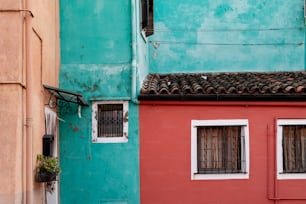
(220,150)
(110,120)
(294,148)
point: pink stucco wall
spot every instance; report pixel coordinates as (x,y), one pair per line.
(165,158)
(44,63)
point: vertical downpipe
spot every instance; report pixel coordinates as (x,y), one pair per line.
(275,164)
(134,52)
(29,109)
(304,34)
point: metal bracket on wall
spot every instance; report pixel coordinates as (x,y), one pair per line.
(67,96)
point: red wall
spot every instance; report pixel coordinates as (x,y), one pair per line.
(165,164)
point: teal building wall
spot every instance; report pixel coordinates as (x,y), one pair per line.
(104,57)
(227,35)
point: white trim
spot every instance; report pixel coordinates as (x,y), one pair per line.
(279,149)
(245,130)
(240,122)
(95,137)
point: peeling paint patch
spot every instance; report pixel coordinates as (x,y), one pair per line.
(75,129)
(90,88)
(222,10)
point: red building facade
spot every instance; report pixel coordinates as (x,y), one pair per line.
(171,168)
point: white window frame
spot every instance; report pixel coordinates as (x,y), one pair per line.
(234,122)
(95,138)
(279,149)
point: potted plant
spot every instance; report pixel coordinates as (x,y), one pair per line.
(47,168)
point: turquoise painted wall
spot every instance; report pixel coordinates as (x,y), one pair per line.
(97,40)
(97,60)
(227,35)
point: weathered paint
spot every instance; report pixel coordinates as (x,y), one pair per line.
(165,154)
(96,172)
(100,58)
(232,35)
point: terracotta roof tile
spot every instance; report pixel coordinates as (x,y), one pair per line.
(238,83)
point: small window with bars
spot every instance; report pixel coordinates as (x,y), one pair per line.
(219,149)
(110,121)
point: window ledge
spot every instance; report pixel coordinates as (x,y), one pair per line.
(110,140)
(283,176)
(219,176)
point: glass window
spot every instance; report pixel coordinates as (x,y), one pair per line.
(291,149)
(147,17)
(110,121)
(219,149)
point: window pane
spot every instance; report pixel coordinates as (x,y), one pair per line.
(147,16)
(294,146)
(219,149)
(110,120)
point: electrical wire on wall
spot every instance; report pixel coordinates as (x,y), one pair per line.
(225,44)
(174,31)
(157,30)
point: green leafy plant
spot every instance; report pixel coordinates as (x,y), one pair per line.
(48,164)
(47,168)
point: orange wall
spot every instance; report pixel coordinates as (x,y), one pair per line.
(165,142)
(44,63)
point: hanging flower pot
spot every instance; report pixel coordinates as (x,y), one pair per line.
(47,168)
(44,176)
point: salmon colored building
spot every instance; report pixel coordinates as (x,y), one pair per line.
(29,58)
(226,138)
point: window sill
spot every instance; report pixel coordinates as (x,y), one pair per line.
(196,176)
(285,176)
(110,140)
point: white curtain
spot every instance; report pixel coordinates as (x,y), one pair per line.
(50,118)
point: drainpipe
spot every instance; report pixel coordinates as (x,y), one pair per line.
(29,109)
(134,52)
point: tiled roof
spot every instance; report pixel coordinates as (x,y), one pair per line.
(233,84)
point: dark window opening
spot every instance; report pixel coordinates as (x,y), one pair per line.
(147,17)
(294,148)
(220,150)
(110,120)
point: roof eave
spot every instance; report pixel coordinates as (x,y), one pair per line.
(222,97)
